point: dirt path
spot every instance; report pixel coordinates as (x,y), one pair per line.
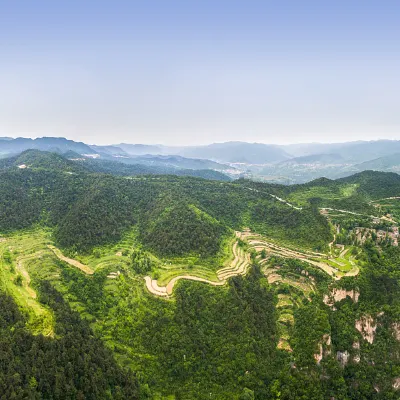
(275,197)
(25,274)
(259,243)
(343,253)
(342,211)
(27,279)
(86,269)
(166,291)
(171,283)
(354,213)
(333,241)
(153,287)
(386,198)
(238,266)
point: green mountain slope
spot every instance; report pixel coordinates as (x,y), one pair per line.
(43,367)
(123,169)
(90,209)
(55,144)
(35,159)
(389,163)
(375,184)
(181,228)
(296,304)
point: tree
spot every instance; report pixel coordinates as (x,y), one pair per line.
(7,256)
(247,394)
(96,253)
(18,280)
(263,253)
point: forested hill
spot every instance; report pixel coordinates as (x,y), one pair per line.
(73,162)
(88,209)
(353,193)
(120,286)
(121,169)
(374,184)
(36,159)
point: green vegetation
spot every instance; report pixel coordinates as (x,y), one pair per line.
(290,225)
(174,215)
(73,365)
(181,229)
(295,319)
(141,262)
(388,206)
(122,169)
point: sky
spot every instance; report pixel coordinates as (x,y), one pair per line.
(196,72)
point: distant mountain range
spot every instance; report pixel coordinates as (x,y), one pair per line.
(333,158)
(294,163)
(229,152)
(390,163)
(61,145)
(72,162)
(353,152)
(238,152)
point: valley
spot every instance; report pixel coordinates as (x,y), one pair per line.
(199,200)
(195,285)
(291,164)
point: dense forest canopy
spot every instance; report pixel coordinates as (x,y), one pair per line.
(77,320)
(89,209)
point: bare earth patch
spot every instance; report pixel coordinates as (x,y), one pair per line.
(27,279)
(238,266)
(367,327)
(313,258)
(340,294)
(85,268)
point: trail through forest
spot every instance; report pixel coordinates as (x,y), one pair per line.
(86,269)
(276,197)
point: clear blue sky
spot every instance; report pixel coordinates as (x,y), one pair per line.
(192,72)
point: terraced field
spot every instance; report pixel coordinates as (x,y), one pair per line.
(238,265)
(20,256)
(337,267)
(30,256)
(292,288)
(33,257)
(389,205)
(295,285)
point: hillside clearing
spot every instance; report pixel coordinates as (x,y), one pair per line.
(238,266)
(86,269)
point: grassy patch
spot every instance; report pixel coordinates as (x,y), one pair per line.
(27,258)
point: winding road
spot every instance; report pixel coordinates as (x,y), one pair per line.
(238,266)
(86,269)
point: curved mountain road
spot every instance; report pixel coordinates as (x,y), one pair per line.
(238,266)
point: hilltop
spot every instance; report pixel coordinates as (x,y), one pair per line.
(287,164)
(178,286)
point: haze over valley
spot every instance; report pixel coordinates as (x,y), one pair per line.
(288,164)
(199,200)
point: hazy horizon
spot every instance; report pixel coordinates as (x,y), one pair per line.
(180,73)
(203,144)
